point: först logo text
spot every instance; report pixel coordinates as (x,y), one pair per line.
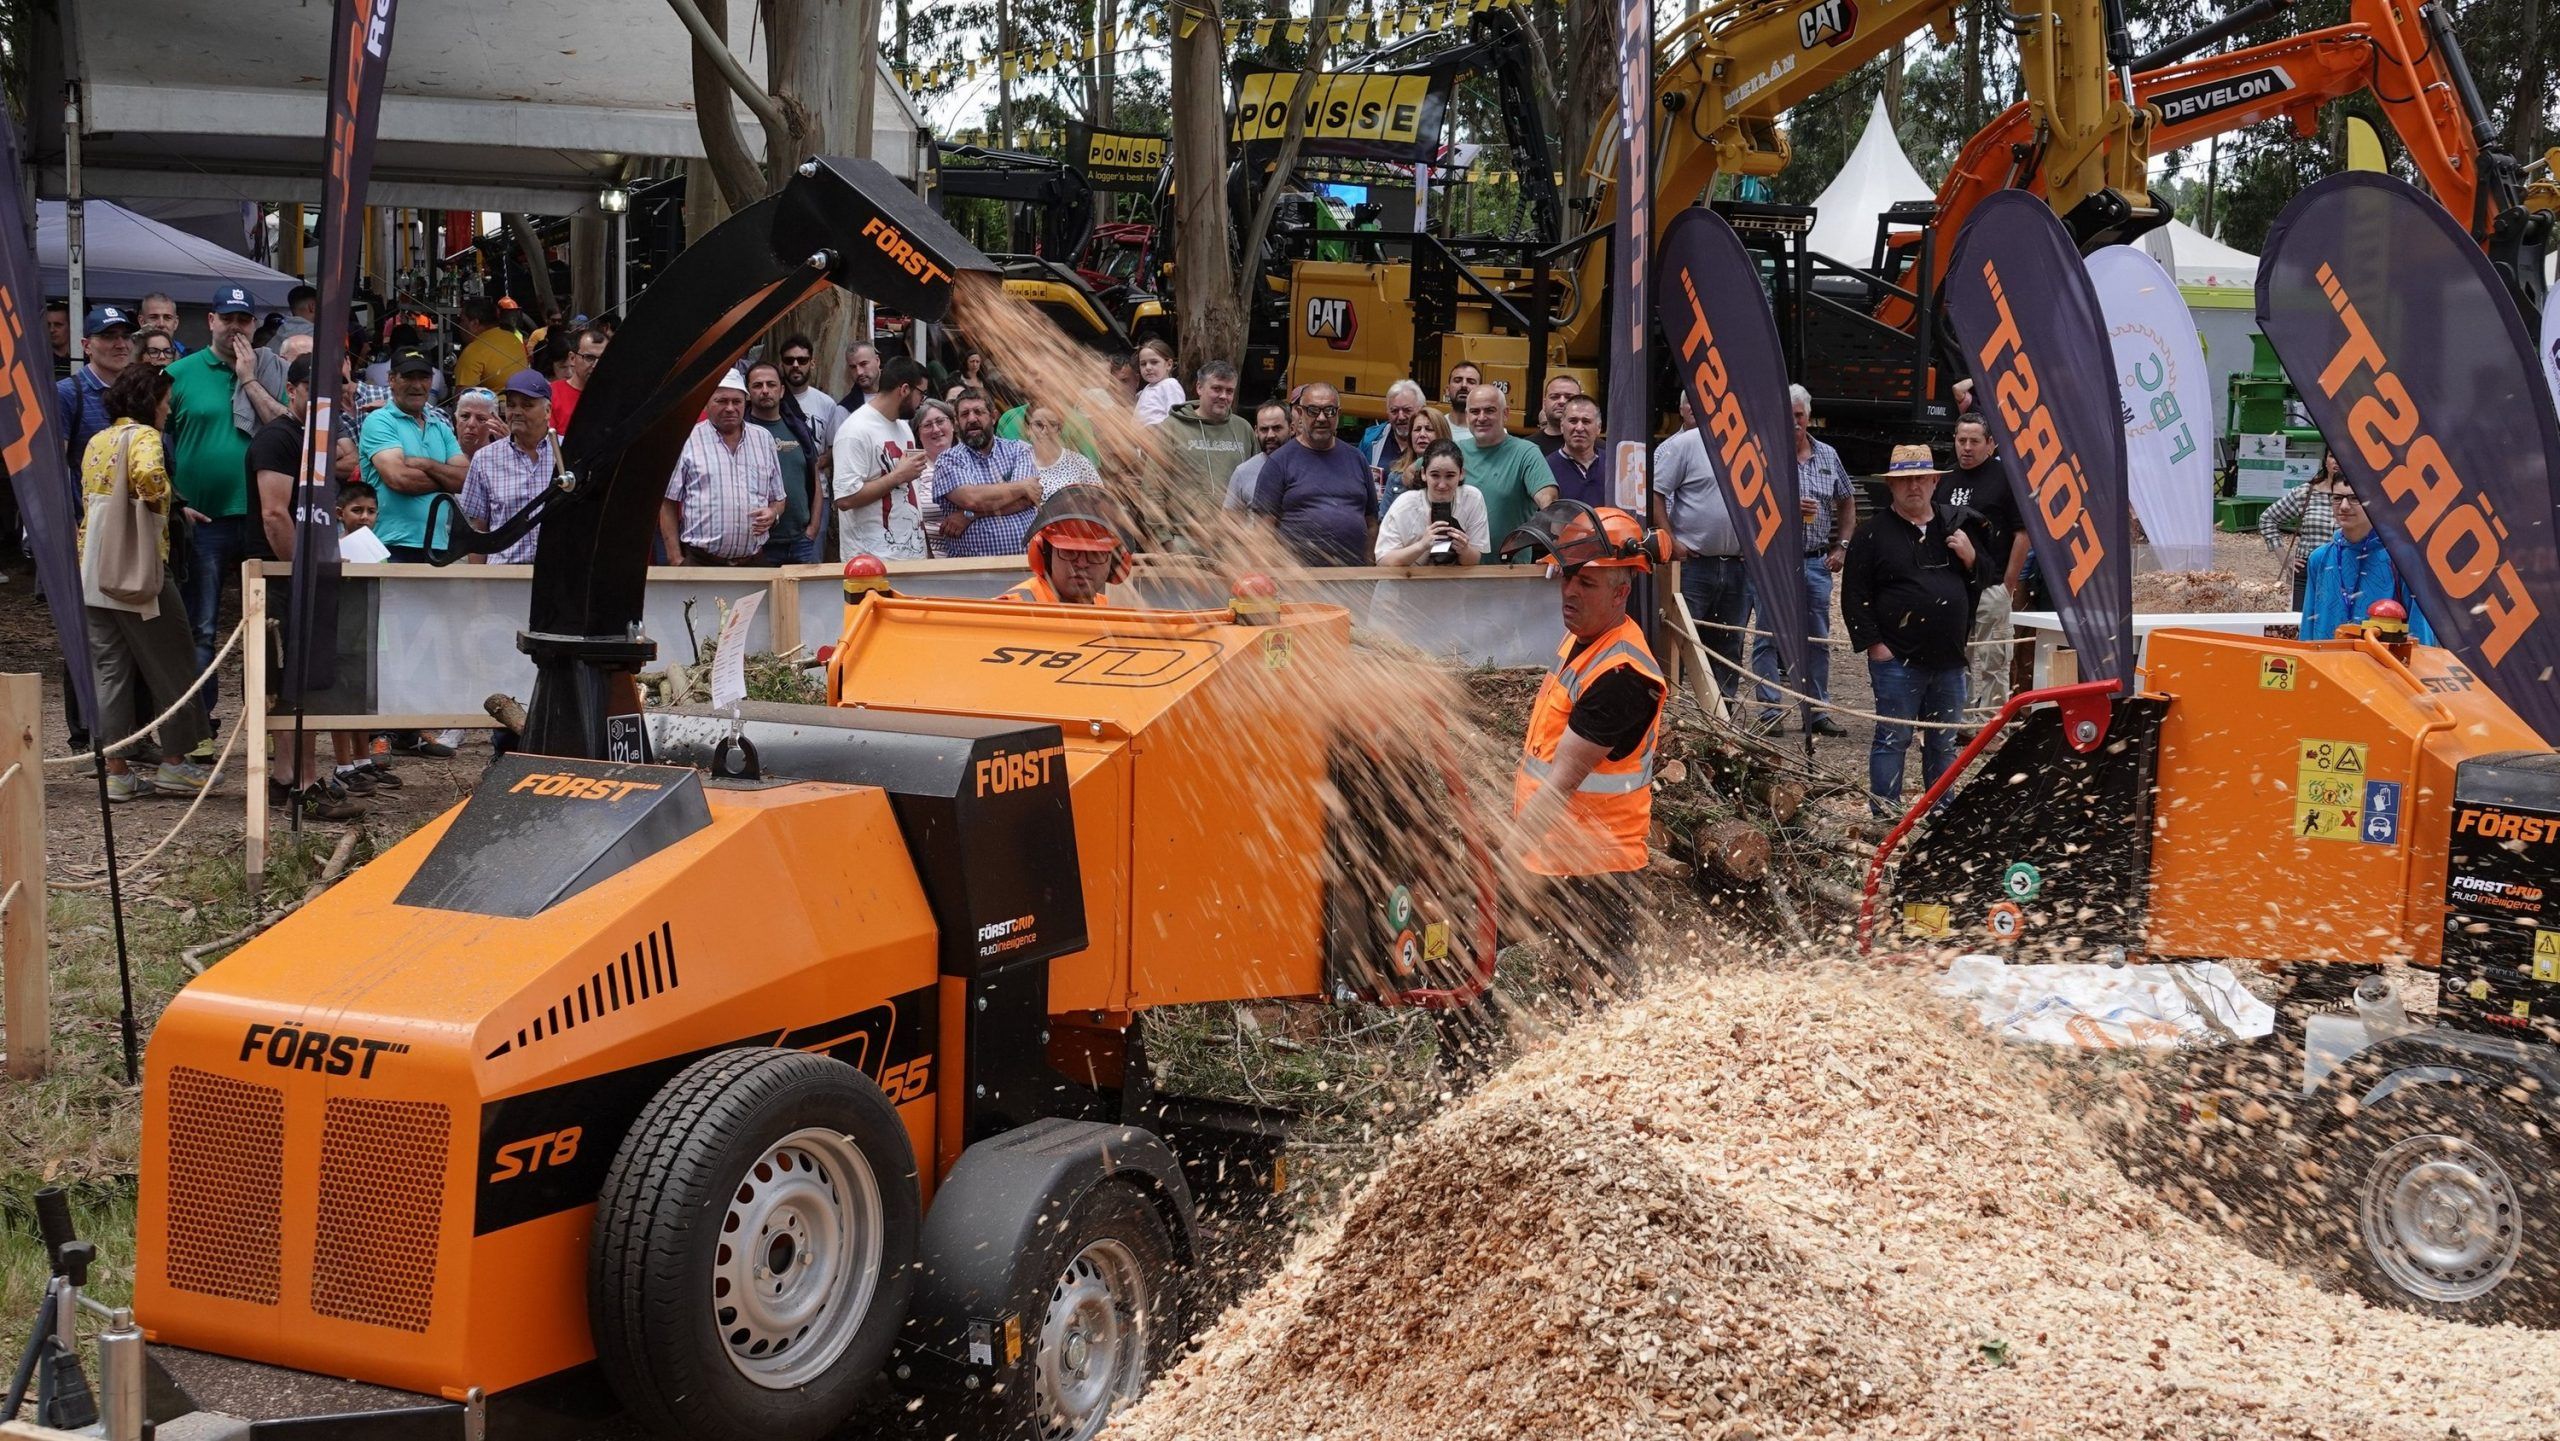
(2054,474)
(2452,522)
(902,254)
(1738,453)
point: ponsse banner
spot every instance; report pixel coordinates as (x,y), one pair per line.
(1117,160)
(1379,114)
(2044,371)
(2408,352)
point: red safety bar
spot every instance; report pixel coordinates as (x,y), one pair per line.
(2084,726)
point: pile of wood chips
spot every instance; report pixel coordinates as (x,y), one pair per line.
(2195,592)
(1805,1203)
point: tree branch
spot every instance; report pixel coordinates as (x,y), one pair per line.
(716,75)
(1249,277)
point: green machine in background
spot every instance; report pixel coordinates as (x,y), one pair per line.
(2269,442)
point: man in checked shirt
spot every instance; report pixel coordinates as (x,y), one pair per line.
(726,492)
(509,472)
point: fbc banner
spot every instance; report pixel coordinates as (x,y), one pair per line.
(2168,405)
(1117,160)
(2417,366)
(1724,348)
(2036,345)
(1381,114)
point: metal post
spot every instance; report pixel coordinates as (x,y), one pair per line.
(75,219)
(621,262)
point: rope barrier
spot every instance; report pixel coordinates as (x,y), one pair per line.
(211,668)
(1834,706)
(1758,634)
(212,778)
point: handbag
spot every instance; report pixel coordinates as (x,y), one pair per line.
(120,568)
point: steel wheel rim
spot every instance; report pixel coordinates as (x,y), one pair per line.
(1093,1342)
(2441,1218)
(798,1259)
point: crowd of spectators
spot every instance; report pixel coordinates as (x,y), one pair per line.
(915,460)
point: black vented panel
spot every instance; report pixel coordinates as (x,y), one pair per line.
(646,970)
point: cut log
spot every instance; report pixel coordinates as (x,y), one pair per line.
(1736,850)
(1782,796)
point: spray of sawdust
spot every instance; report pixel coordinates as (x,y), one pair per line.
(1419,798)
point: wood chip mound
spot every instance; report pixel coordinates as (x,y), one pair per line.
(2200,591)
(1805,1203)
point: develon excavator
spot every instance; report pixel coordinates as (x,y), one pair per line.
(730,1063)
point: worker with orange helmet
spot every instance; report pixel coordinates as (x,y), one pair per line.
(1583,796)
(1078,548)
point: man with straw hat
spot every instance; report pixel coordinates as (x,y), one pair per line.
(1907,593)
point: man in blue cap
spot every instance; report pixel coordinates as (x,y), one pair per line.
(218,397)
(505,475)
(82,395)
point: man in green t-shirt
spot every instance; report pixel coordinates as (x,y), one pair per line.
(210,431)
(794,538)
(407,453)
(1512,473)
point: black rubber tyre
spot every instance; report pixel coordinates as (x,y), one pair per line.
(696,1332)
(1081,1318)
(2446,1202)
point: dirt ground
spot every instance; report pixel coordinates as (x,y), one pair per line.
(74,839)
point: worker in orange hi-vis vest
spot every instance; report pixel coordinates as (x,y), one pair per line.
(1583,796)
(1078,549)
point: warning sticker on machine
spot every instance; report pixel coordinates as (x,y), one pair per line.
(2330,797)
(2546,955)
(2275,672)
(1927,920)
(2321,757)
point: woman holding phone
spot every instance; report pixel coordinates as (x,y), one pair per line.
(1440,523)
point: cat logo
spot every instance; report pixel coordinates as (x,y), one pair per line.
(1331,319)
(1831,22)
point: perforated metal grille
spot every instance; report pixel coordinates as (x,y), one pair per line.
(373,1257)
(226,1186)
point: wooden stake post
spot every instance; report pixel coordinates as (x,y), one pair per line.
(26,984)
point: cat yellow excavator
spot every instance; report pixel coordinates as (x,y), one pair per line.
(1731,70)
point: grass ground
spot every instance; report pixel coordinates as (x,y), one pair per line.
(80,1127)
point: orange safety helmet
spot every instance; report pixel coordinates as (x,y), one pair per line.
(1572,535)
(1080,517)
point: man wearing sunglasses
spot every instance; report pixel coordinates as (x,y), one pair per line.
(1315,489)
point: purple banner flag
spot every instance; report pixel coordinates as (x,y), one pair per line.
(1725,349)
(32,441)
(2044,375)
(1630,371)
(359,53)
(2415,362)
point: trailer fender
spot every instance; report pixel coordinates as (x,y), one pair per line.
(982,1240)
(2527,1076)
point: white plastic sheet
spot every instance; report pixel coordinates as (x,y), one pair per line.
(2098,1007)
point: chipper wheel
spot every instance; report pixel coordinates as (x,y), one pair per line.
(2448,1200)
(1103,1326)
(755,1247)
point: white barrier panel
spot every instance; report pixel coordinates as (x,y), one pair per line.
(2046,627)
(421,647)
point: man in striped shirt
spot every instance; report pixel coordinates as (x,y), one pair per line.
(727,488)
(507,474)
(988,486)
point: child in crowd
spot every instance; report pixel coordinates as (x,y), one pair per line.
(357,507)
(1160,392)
